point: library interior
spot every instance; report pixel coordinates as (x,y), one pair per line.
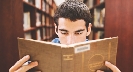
(33,19)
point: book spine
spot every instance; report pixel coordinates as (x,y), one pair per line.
(67,60)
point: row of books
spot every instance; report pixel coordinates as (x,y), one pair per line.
(40,19)
(28,35)
(41,5)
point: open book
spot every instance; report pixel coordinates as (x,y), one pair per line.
(79,57)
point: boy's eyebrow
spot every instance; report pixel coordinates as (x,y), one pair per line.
(75,31)
(63,30)
(79,30)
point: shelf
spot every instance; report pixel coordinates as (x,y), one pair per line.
(30,29)
(39,10)
(98,28)
(34,28)
(28,5)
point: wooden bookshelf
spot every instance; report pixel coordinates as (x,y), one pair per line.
(11,27)
(97,10)
(119,22)
(41,19)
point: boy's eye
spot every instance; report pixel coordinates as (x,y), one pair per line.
(65,33)
(78,33)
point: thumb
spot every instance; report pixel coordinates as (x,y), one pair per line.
(112,67)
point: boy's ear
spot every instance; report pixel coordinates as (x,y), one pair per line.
(89,29)
(55,28)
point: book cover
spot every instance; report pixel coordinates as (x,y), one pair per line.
(79,57)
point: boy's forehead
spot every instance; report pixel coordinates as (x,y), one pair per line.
(69,25)
(68,21)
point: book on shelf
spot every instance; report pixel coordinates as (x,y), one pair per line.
(27,35)
(50,2)
(44,33)
(25,0)
(51,32)
(47,8)
(96,17)
(47,32)
(47,21)
(26,20)
(79,57)
(43,5)
(29,1)
(99,15)
(102,17)
(52,12)
(43,19)
(38,33)
(38,3)
(38,19)
(90,3)
(50,22)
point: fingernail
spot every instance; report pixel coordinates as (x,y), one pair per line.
(27,56)
(106,62)
(35,63)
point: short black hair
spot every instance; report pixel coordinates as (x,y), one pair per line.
(73,10)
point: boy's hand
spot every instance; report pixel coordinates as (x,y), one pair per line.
(19,67)
(111,66)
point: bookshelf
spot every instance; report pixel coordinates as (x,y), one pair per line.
(38,21)
(119,22)
(97,10)
(32,19)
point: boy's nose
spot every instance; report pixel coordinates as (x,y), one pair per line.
(70,39)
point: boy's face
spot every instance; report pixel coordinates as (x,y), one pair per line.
(70,32)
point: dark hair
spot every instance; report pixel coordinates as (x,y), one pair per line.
(73,10)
